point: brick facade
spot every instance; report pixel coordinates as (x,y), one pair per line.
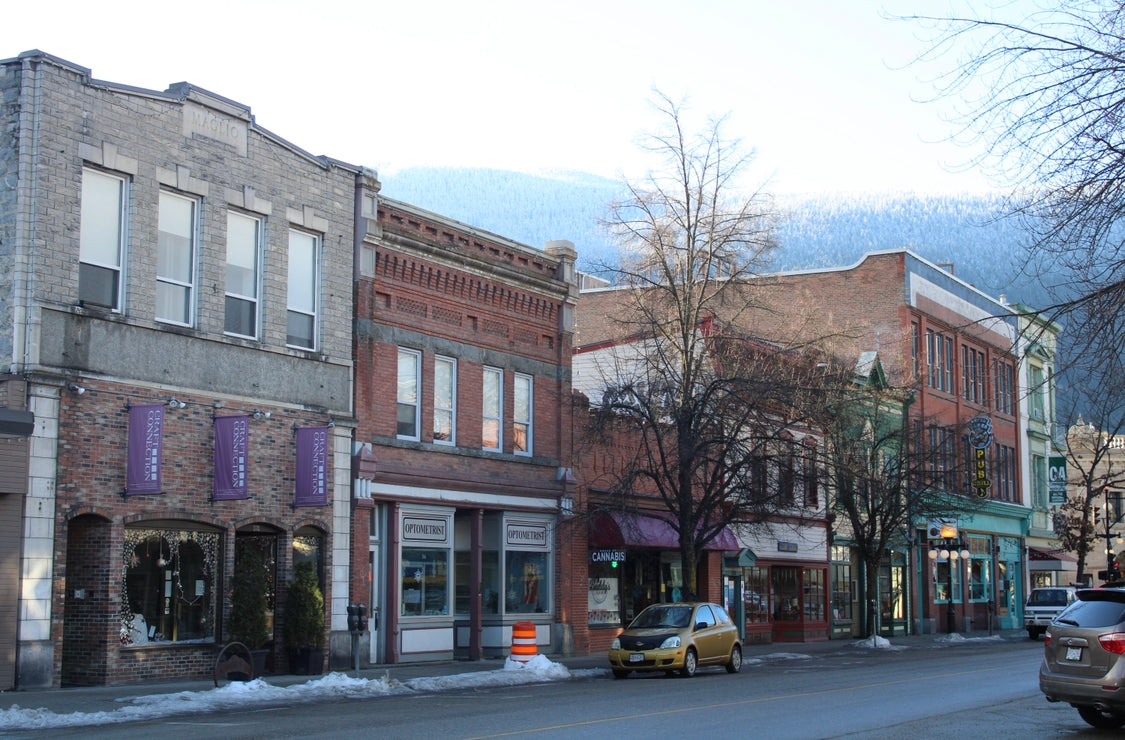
(439,289)
(86,364)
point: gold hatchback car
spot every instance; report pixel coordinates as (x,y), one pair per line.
(677,637)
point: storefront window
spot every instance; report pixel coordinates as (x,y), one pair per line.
(490,582)
(841,584)
(604,596)
(309,548)
(891,601)
(979,580)
(941,585)
(787,592)
(756,595)
(528,586)
(425,582)
(169,586)
(980,569)
(814,594)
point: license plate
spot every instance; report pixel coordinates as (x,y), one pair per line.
(1074,653)
(637,658)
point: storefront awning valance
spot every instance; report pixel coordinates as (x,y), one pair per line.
(651,529)
(1040,560)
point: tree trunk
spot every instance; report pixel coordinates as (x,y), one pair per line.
(871,599)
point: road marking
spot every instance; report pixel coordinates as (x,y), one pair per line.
(743,702)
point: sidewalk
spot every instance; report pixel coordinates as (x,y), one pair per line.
(405,677)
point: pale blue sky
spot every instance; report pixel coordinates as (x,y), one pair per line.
(812,85)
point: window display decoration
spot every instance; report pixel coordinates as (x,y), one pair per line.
(167,549)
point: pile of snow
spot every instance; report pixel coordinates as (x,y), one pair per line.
(260,693)
(876,643)
(957,638)
(775,657)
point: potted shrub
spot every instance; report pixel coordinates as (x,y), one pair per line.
(249,606)
(304,622)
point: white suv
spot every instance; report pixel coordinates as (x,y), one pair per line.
(1043,605)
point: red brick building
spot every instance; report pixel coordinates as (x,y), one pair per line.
(462,464)
(958,348)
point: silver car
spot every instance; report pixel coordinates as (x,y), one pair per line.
(1084,657)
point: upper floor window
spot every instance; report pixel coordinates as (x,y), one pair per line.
(522,412)
(445,400)
(1005,388)
(939,350)
(492,409)
(1004,479)
(811,479)
(786,489)
(972,374)
(409,385)
(302,290)
(175,260)
(1037,393)
(243,260)
(101,239)
(915,348)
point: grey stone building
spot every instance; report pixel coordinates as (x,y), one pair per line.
(175,373)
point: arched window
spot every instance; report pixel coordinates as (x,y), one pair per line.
(169,585)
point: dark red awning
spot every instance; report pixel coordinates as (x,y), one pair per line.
(649,529)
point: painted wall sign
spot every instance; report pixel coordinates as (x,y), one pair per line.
(424,529)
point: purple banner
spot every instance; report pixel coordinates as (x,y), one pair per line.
(146,450)
(312,467)
(232,457)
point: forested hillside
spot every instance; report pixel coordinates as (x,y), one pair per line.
(815,231)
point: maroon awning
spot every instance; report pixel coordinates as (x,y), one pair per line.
(650,529)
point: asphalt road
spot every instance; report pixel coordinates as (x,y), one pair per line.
(988,690)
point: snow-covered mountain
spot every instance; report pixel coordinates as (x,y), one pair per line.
(816,231)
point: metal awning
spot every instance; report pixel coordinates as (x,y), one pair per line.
(1039,559)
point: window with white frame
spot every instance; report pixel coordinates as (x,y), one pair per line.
(523,410)
(101,239)
(445,400)
(492,409)
(302,290)
(243,260)
(175,259)
(409,385)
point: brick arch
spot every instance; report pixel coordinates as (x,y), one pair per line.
(196,518)
(88,614)
(81,510)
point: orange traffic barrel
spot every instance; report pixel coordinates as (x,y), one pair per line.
(524,645)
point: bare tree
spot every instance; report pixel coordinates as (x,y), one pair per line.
(1043,93)
(1096,474)
(702,405)
(883,479)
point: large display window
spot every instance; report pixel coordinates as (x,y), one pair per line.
(169,586)
(527,566)
(425,582)
(426,559)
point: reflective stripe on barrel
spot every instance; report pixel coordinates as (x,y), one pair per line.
(524,645)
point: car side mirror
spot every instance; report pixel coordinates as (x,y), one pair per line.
(700,626)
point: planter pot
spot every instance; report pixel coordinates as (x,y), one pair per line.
(307,661)
(261,657)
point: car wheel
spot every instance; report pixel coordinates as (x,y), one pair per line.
(621,674)
(1032,633)
(691,663)
(734,665)
(1102,720)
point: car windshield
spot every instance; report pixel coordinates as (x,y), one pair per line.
(663,616)
(1047,597)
